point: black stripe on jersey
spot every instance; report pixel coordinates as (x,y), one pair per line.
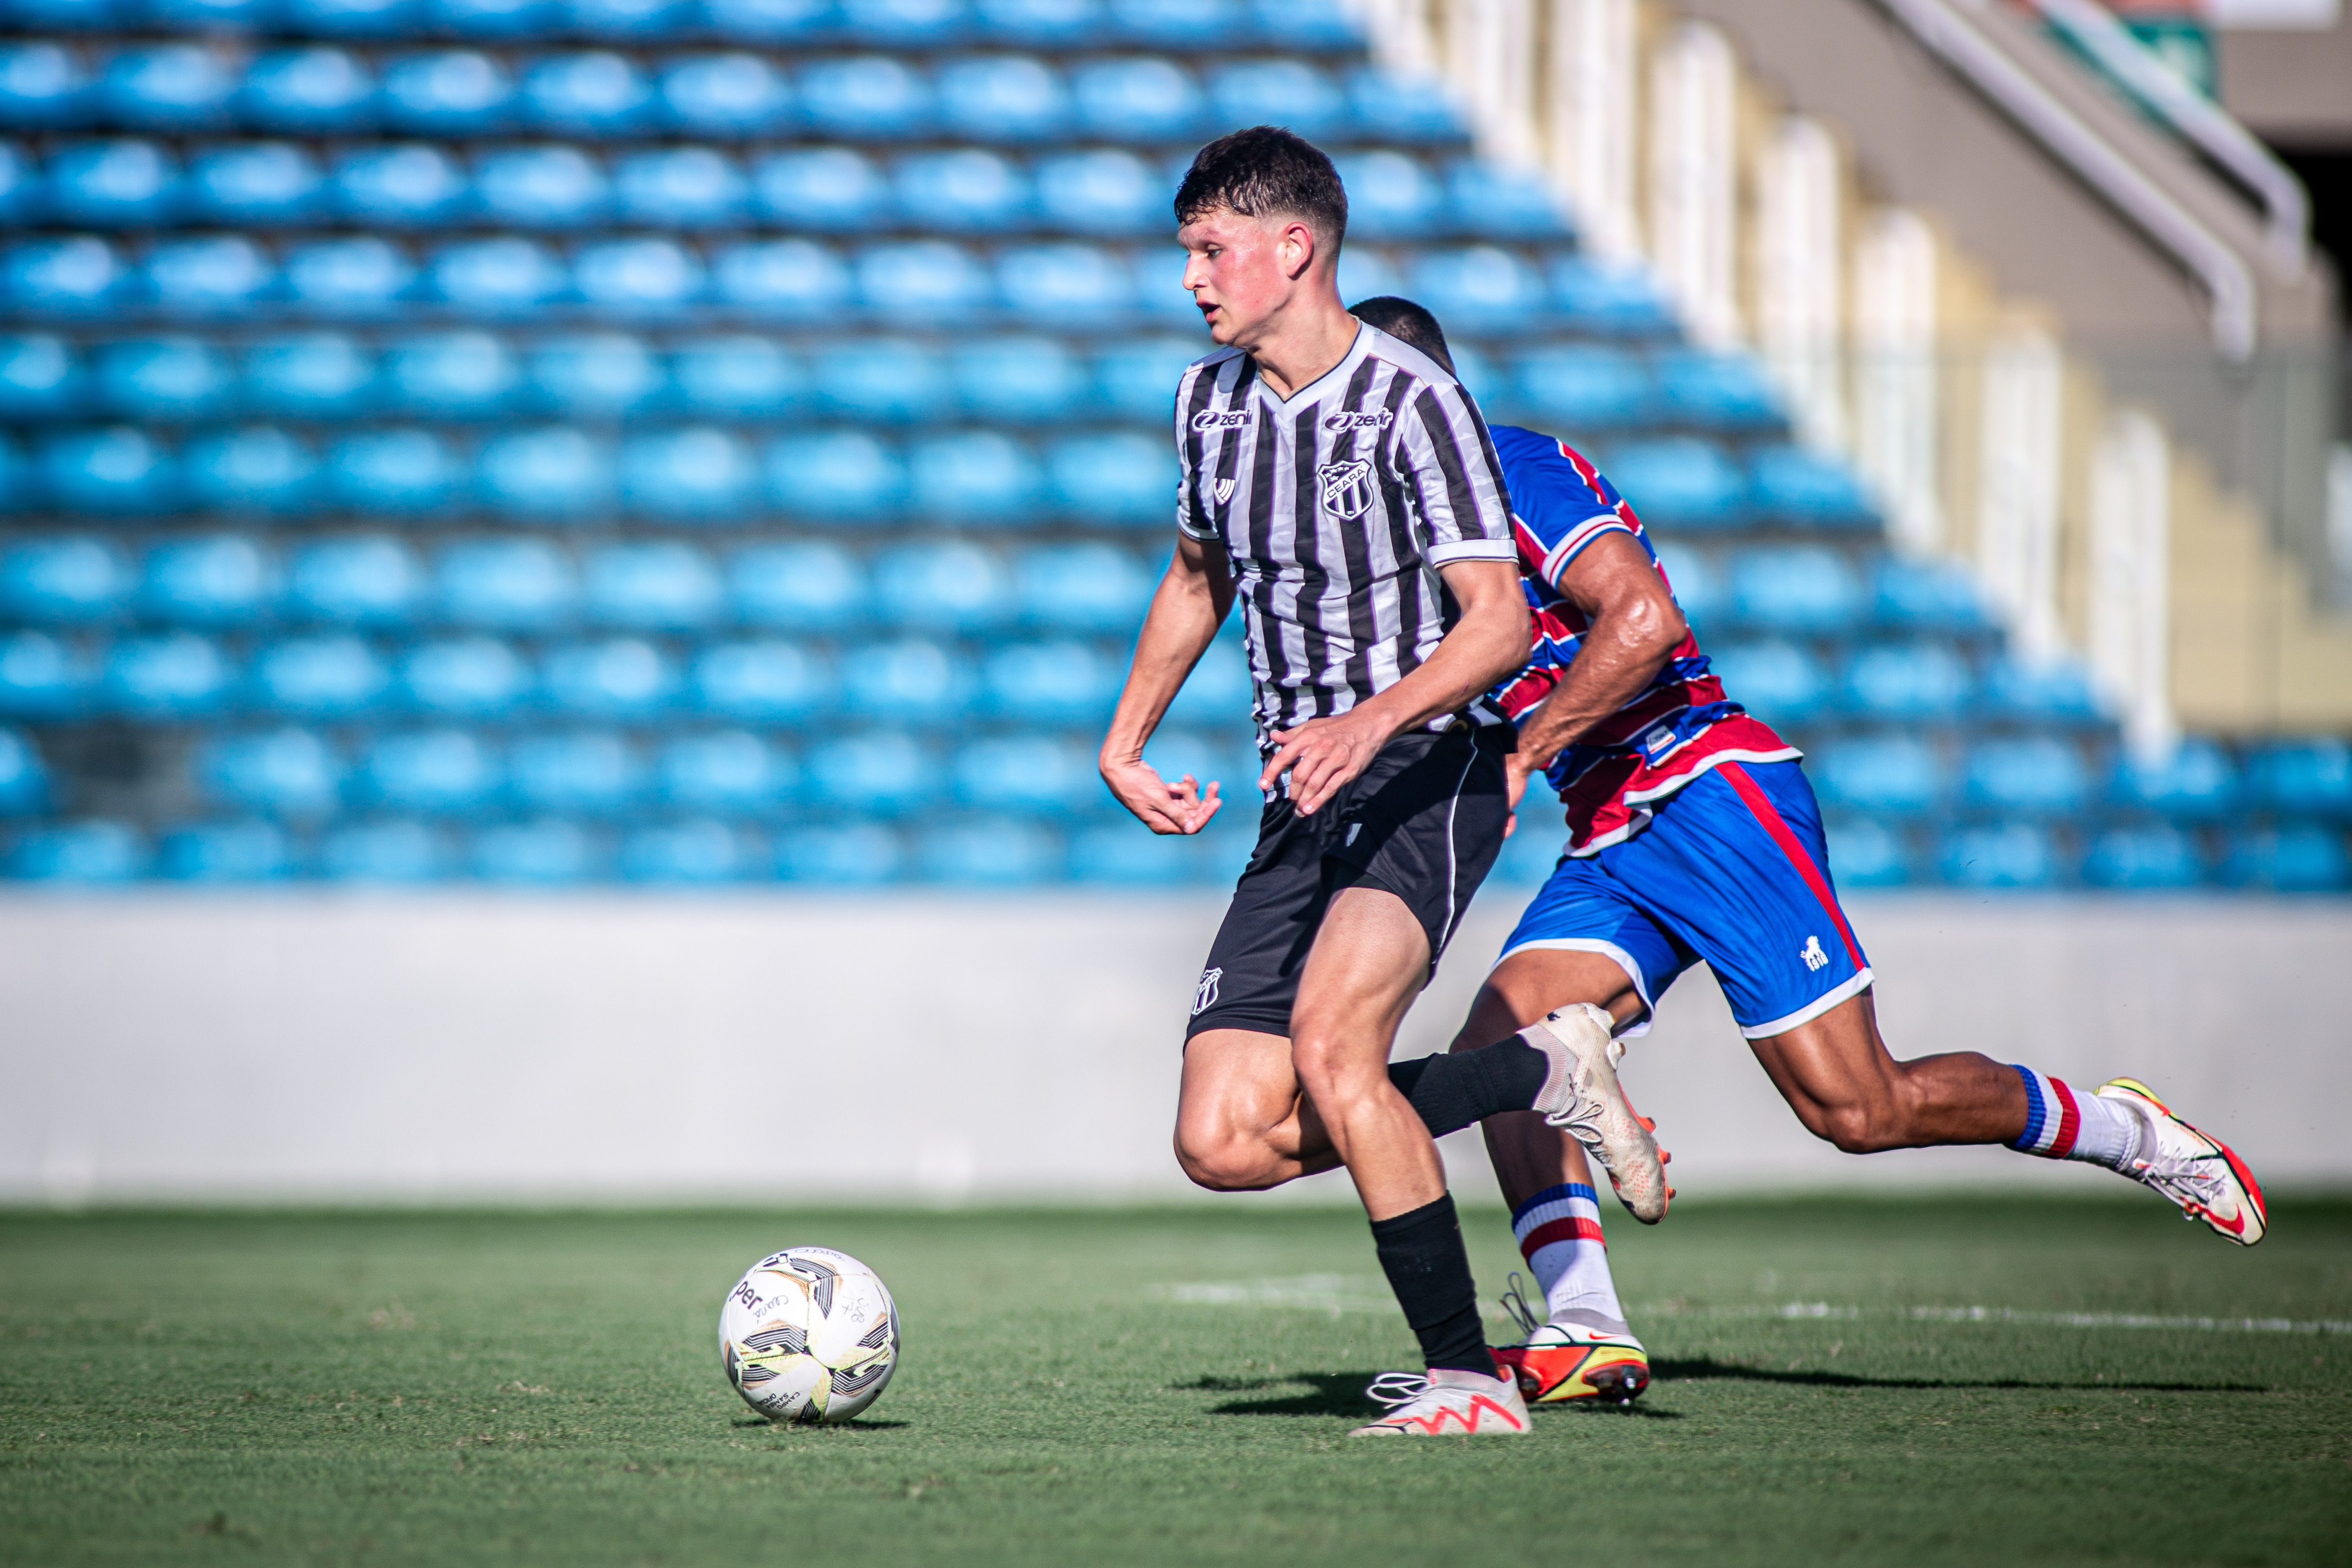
(1460,497)
(1193,444)
(1355,543)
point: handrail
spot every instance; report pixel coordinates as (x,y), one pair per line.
(2232,303)
(2205,124)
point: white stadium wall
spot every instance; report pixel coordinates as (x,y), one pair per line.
(621,1048)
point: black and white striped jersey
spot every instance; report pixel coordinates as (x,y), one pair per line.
(1337,506)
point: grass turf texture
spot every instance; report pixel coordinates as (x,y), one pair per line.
(454,1388)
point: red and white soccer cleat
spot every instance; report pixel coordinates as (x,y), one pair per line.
(1582,1093)
(1446,1404)
(2196,1171)
(1561,1362)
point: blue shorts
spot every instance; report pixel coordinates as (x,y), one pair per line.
(1732,869)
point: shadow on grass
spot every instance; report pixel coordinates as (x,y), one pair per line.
(1706,1367)
(854,1424)
(1341,1394)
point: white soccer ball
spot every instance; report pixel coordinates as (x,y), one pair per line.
(809,1334)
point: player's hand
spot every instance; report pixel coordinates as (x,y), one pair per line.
(1323,755)
(1164,807)
(1516,766)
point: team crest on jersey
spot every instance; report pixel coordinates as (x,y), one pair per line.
(1346,488)
(1205,996)
(1223,490)
(1375,419)
(1220,418)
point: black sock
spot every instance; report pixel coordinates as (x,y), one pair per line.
(1453,1090)
(1429,1270)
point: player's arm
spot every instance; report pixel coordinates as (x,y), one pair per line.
(1191,604)
(1635,627)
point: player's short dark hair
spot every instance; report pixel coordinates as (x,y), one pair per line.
(1264,170)
(1406,322)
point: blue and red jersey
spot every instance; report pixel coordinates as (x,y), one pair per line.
(1674,729)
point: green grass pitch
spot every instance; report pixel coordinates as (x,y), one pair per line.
(1148,1387)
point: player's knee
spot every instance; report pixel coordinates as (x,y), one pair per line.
(1227,1161)
(1860,1126)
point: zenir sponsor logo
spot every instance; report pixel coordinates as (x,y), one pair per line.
(1220,418)
(1346,488)
(1378,419)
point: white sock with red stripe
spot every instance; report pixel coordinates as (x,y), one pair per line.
(2060,1125)
(1560,1236)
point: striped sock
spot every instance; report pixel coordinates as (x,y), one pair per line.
(2060,1125)
(1559,1232)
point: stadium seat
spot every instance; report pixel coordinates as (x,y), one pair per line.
(1778,682)
(583,772)
(395,853)
(41,678)
(1088,285)
(652,587)
(209,15)
(1479,289)
(394,470)
(680,188)
(1122,854)
(1908,680)
(1056,24)
(1691,573)
(465,678)
(1138,98)
(697,472)
(1218,692)
(41,376)
(1868,853)
(640,277)
(73,580)
(1318,24)
(839,854)
(732,770)
(1609,299)
(1927,596)
(1180,24)
(1137,377)
(2035,773)
(113,185)
(1585,386)
(625,19)
(17,480)
(488,18)
(173,676)
(727,95)
(2304,778)
(1026,773)
(114,469)
(1004,379)
(220,579)
(2147,857)
(1392,106)
(1104,191)
(1796,588)
(450,375)
(825,188)
(361,276)
(921,281)
(625,678)
(1716,390)
(1121,476)
(406,185)
(1679,481)
(798,587)
(430,772)
(2012,854)
(164,87)
(942,586)
(2295,857)
(700,851)
(2193,781)
(972,476)
(763,682)
(320,677)
(1066,682)
(1808,489)
(791,280)
(542,187)
(255,185)
(76,276)
(768,21)
(963,190)
(835,476)
(455,92)
(362,580)
(546,851)
(210,275)
(259,468)
(1278,92)
(308,90)
(736,377)
(882,772)
(1084,588)
(865,98)
(882,379)
(1002,97)
(1392,195)
(2050,690)
(352,18)
(22,194)
(42,85)
(92,851)
(548,471)
(597,94)
(903,23)
(1496,201)
(911,681)
(594,374)
(223,852)
(1890,775)
(504,276)
(506,585)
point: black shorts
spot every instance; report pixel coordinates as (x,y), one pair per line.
(1424,821)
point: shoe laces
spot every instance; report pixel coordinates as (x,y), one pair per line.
(1582,1118)
(1397,1389)
(2182,1176)
(1514,1301)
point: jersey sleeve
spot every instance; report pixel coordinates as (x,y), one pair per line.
(1448,463)
(1191,518)
(1565,505)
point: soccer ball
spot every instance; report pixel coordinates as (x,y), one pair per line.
(809,1334)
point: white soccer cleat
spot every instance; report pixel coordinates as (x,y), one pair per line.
(1443,1404)
(1582,1093)
(2198,1172)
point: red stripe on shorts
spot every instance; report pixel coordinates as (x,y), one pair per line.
(1761,805)
(1575,1227)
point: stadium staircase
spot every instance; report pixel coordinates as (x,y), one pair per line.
(724,442)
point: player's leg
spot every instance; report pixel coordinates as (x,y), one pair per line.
(1242,1124)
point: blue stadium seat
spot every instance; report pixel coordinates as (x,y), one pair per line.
(910,681)
(597,94)
(1006,379)
(1927,596)
(963,190)
(883,773)
(2302,778)
(680,188)
(725,95)
(1496,201)
(431,772)
(352,18)
(1103,190)
(732,770)
(701,852)
(1050,683)
(791,279)
(1808,489)
(839,854)
(549,471)
(1888,774)
(2195,782)
(73,580)
(921,280)
(16,481)
(1123,855)
(644,276)
(2054,691)
(973,476)
(166,86)
(505,277)
(1119,476)
(546,851)
(762,682)
(828,188)
(1679,481)
(542,187)
(1026,773)
(2147,857)
(75,276)
(41,678)
(903,23)
(882,379)
(2295,857)
(1218,690)
(1180,24)
(1057,24)
(506,585)
(594,374)
(361,579)
(94,851)
(1391,106)
(799,587)
(452,92)
(942,586)
(42,85)
(625,678)
(625,19)
(408,185)
(835,476)
(209,275)
(1316,25)
(319,375)
(1137,377)
(354,277)
(1868,853)
(451,375)
(489,18)
(736,377)
(2010,854)
(1908,680)
(396,853)
(219,580)
(1138,98)
(865,98)
(696,471)
(308,90)
(173,676)
(1778,682)
(1585,386)
(1697,586)
(1716,390)
(113,185)
(585,772)
(1479,289)
(41,376)
(1084,587)
(259,184)
(320,677)
(1002,97)
(1607,299)
(1279,92)
(396,470)
(466,679)
(21,189)
(768,21)
(653,587)
(258,468)
(1088,285)
(223,852)
(2030,774)
(1392,195)
(1796,588)
(115,469)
